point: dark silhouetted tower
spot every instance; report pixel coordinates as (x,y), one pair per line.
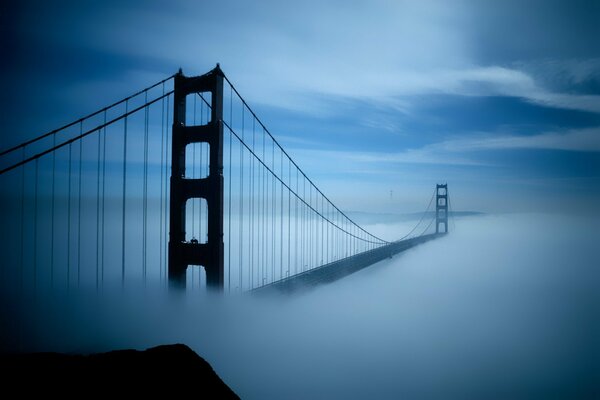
(183,253)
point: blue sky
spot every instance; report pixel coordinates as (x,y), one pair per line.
(501,99)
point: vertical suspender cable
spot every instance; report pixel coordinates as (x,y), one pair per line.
(166,205)
(289,216)
(310,228)
(230,194)
(162,145)
(322,242)
(200,237)
(79,208)
(124,197)
(264,213)
(318,222)
(145,194)
(22,260)
(351,239)
(318,237)
(267,217)
(69,219)
(273,205)
(252,201)
(296,239)
(194,176)
(98,211)
(206,119)
(327,234)
(35,218)
(315,230)
(281,222)
(103,197)
(259,222)
(302,224)
(241,216)
(250,216)
(319,240)
(53,212)
(323,227)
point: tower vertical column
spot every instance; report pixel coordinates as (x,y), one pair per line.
(210,255)
(441,208)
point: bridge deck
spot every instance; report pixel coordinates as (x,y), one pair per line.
(341,268)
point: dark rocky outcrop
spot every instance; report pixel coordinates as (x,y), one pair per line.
(164,371)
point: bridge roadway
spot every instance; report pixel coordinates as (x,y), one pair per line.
(338,269)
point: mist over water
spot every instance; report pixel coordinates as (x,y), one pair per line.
(505,306)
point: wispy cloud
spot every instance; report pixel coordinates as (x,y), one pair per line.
(363,162)
(587,140)
(467,81)
(425,155)
(503,81)
(377,50)
(459,151)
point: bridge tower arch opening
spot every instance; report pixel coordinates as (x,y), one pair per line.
(183,253)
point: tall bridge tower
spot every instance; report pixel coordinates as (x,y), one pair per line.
(441,208)
(182,253)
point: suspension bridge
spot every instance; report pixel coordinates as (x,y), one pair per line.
(180,175)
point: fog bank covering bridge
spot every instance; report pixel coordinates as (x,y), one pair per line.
(182,173)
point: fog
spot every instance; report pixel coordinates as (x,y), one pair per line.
(505,306)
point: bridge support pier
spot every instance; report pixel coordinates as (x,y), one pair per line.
(182,253)
(441,208)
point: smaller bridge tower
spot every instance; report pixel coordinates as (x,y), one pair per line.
(441,208)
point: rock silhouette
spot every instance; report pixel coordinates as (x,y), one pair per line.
(170,369)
